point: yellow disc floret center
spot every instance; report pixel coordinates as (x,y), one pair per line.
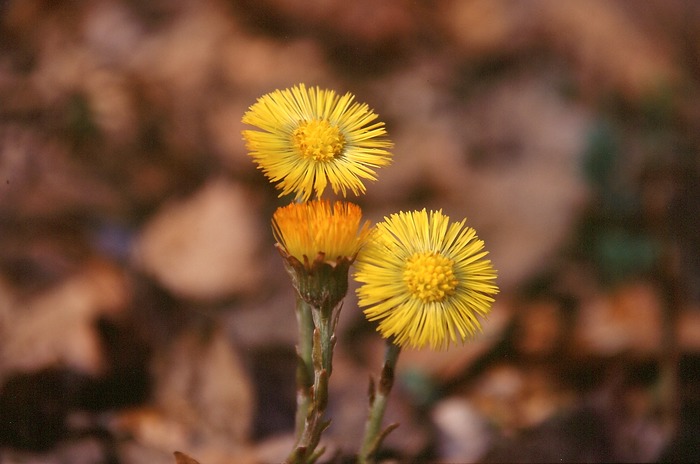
(318,140)
(429,276)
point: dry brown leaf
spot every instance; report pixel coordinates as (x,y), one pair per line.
(73,306)
(182,458)
(204,247)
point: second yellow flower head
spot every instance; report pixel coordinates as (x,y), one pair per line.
(425,280)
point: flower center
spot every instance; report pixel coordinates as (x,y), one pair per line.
(429,276)
(318,140)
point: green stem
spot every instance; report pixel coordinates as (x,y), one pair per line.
(324,321)
(305,369)
(378,399)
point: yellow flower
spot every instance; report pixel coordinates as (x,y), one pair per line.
(306,229)
(319,242)
(425,280)
(312,137)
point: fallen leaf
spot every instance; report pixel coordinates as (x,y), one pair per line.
(182,458)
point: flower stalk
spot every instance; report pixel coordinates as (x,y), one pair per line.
(378,397)
(426,282)
(324,307)
(320,288)
(318,242)
(305,368)
(325,320)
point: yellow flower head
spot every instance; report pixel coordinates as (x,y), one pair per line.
(425,280)
(311,137)
(304,230)
(319,242)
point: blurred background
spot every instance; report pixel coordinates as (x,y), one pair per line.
(144,309)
